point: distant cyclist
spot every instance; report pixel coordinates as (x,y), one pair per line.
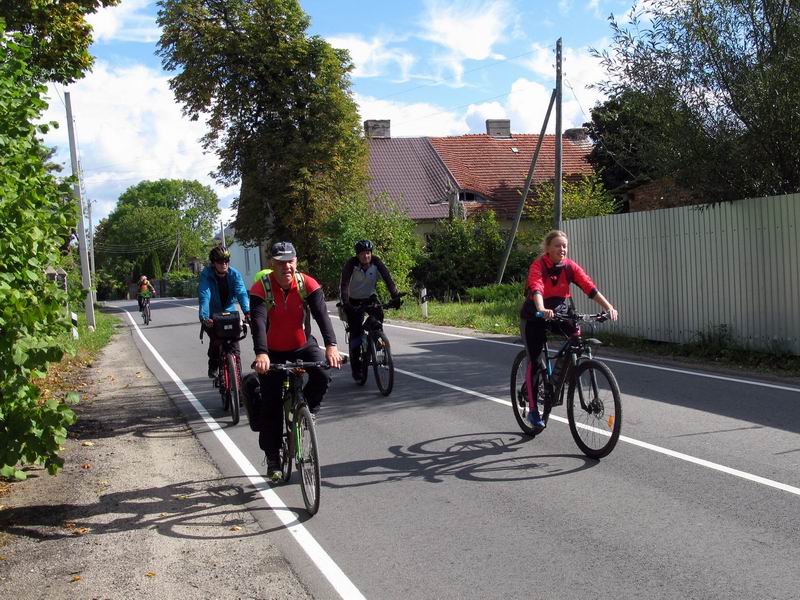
(358,288)
(144,289)
(547,290)
(283,301)
(220,287)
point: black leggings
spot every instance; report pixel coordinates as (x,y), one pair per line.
(271,414)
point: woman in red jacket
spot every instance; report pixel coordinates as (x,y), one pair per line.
(547,291)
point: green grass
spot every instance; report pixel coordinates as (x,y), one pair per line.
(90,343)
(502,317)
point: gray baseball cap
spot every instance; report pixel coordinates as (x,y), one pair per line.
(283,251)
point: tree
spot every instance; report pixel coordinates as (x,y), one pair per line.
(197,203)
(382,222)
(279,109)
(60,36)
(727,72)
(37,213)
(581,198)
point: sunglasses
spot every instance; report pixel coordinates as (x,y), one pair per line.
(224,260)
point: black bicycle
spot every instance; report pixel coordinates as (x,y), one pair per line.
(594,410)
(146,309)
(299,432)
(228,328)
(375,348)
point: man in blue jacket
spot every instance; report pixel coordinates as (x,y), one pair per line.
(220,286)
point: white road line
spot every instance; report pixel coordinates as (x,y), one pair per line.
(340,582)
(666,451)
(786,388)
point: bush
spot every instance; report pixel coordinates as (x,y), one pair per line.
(380,221)
(462,254)
(36,216)
(497,292)
(182,284)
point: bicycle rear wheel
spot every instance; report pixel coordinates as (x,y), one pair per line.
(594,409)
(519,392)
(234,387)
(382,363)
(308,459)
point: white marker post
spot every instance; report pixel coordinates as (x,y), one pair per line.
(423,295)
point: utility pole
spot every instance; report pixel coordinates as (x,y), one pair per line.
(558,174)
(526,189)
(86,279)
(91,235)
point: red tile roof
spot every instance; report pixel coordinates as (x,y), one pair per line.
(410,171)
(488,165)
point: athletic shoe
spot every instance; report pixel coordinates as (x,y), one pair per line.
(212,372)
(536,421)
(274,469)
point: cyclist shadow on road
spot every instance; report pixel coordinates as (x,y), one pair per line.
(202,509)
(491,456)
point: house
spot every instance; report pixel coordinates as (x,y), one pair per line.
(433,177)
(246,260)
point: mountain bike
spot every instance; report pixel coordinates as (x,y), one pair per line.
(594,409)
(299,432)
(375,348)
(146,309)
(229,329)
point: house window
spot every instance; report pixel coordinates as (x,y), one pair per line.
(465,196)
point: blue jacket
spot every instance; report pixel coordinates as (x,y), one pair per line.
(208,293)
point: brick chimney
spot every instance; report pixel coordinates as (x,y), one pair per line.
(499,128)
(576,134)
(377,128)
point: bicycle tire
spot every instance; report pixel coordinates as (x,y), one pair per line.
(365,355)
(234,388)
(383,364)
(519,392)
(595,421)
(287,450)
(308,459)
(146,314)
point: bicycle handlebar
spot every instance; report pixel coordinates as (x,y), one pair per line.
(299,364)
(574,317)
(390,304)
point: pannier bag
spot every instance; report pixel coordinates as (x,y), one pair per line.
(251,391)
(227,325)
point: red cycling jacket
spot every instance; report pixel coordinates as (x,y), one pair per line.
(552,281)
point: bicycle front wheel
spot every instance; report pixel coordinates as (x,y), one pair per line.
(363,349)
(382,364)
(146,314)
(519,392)
(307,459)
(594,409)
(234,387)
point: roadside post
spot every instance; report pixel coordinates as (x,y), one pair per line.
(423,298)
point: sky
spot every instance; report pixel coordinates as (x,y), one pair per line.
(433,67)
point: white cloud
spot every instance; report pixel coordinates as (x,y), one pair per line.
(593,7)
(467,30)
(129,21)
(372,58)
(412,119)
(129,128)
(564,7)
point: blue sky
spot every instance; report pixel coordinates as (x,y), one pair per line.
(433,67)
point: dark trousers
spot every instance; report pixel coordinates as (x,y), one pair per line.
(141,302)
(213,348)
(271,414)
(534,335)
(354,313)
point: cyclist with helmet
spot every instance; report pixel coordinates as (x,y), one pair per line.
(220,286)
(357,289)
(284,300)
(144,289)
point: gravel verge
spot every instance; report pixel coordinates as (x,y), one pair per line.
(139,511)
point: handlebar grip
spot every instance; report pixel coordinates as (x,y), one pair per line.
(539,314)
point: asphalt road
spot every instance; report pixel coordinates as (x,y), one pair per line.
(434,493)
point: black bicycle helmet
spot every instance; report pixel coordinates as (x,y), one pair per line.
(219,253)
(363,245)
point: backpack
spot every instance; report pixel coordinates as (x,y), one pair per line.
(263,277)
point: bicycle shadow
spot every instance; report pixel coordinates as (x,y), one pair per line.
(180,510)
(486,457)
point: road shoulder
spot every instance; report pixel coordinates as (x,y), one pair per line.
(140,510)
